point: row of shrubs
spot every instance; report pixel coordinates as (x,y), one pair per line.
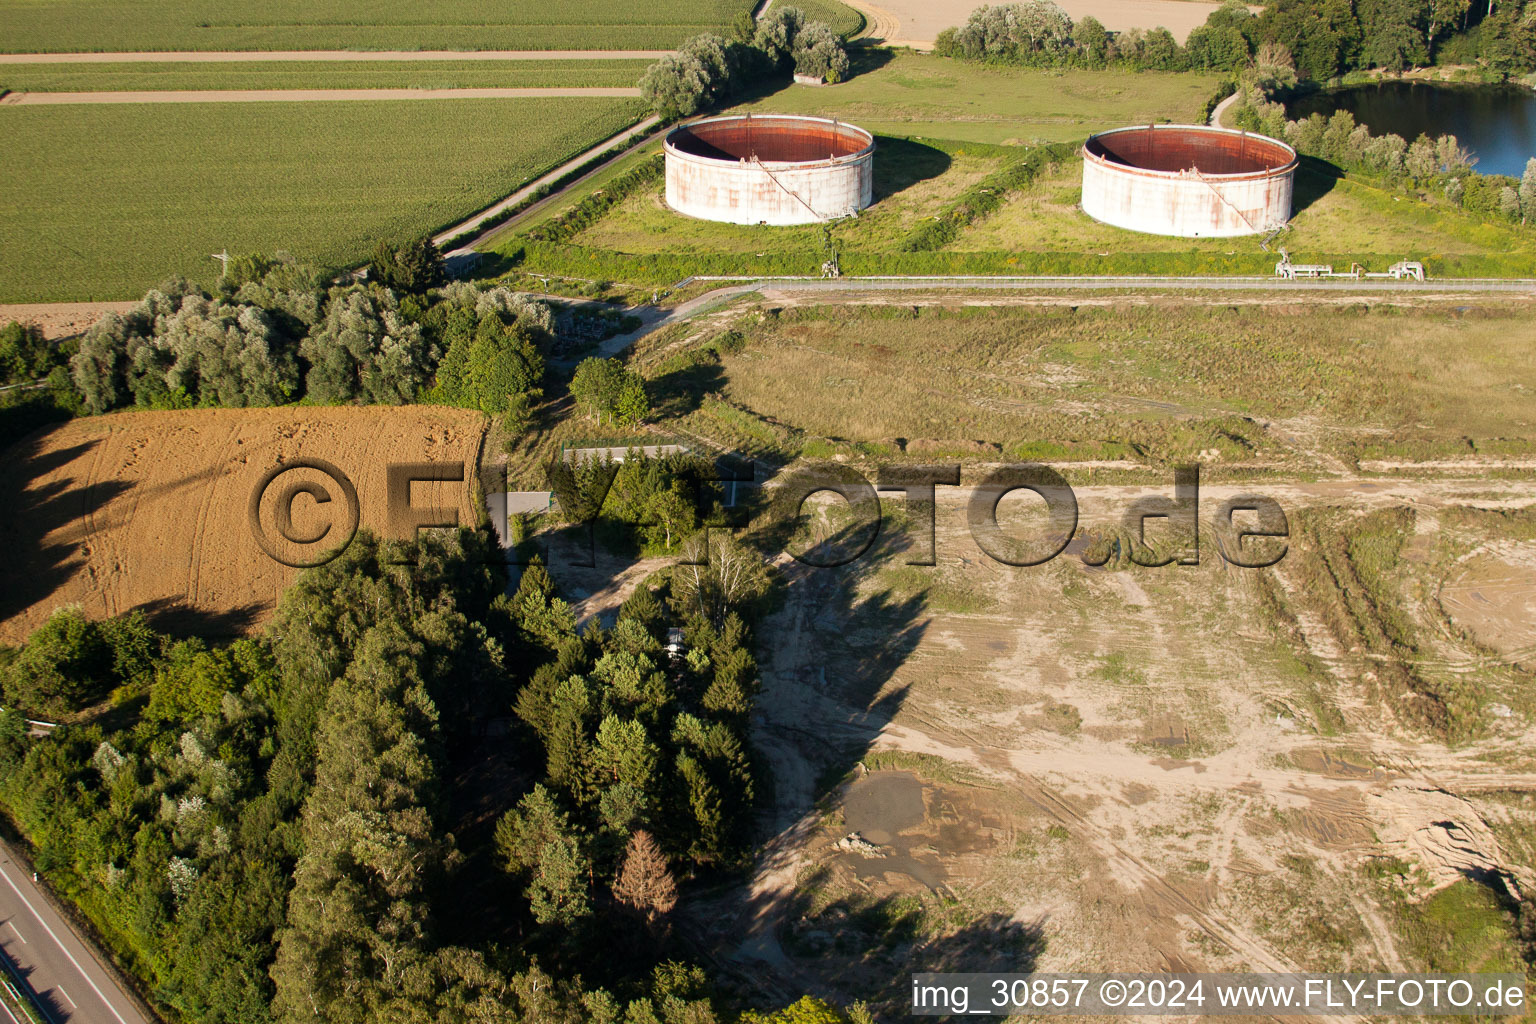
(986,196)
(594,206)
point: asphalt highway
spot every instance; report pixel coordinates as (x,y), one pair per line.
(54,962)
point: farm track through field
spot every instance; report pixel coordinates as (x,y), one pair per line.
(312,95)
(236,56)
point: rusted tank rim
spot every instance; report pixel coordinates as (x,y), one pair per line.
(769,123)
(1289,164)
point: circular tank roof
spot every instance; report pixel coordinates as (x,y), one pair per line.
(1173,149)
(770,139)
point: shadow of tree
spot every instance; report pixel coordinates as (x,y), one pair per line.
(53,1008)
(32,565)
(681,391)
(169,615)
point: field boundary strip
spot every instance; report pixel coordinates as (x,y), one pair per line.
(258,56)
(315,95)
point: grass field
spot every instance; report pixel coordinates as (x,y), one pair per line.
(913,181)
(103,202)
(118,77)
(1162,381)
(1331,216)
(74,25)
(905,93)
(947,133)
(934,143)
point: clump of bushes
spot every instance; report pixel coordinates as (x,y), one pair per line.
(274,331)
(707,68)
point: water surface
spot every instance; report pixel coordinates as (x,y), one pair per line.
(1495,122)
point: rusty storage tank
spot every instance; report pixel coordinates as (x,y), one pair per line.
(769,169)
(1191,181)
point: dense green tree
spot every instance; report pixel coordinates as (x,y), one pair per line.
(366,351)
(71,662)
(776,33)
(357,922)
(411,268)
(538,843)
(819,53)
(1093,41)
(607,389)
(1393,33)
(676,85)
(25,355)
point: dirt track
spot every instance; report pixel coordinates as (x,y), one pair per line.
(308,95)
(245,56)
(150,510)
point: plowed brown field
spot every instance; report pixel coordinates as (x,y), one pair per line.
(151,510)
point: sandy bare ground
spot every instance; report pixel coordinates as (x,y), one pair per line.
(251,56)
(309,95)
(1170,853)
(917,23)
(150,510)
(61,319)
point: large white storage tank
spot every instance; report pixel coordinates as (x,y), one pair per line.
(1190,181)
(769,169)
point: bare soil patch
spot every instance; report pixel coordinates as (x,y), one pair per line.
(61,319)
(919,22)
(150,510)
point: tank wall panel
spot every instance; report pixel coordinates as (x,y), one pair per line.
(747,193)
(1185,205)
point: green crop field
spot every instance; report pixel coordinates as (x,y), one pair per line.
(104,201)
(904,93)
(108,25)
(430,74)
(842,19)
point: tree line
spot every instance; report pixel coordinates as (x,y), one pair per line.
(1321,39)
(272,331)
(707,69)
(263,829)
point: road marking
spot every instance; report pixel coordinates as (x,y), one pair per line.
(66,996)
(20,936)
(9,1014)
(102,996)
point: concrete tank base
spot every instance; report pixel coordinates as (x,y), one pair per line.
(1188,181)
(769,169)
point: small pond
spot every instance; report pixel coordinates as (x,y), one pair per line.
(1497,123)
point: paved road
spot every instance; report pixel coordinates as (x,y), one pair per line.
(73,986)
(477,222)
(240,56)
(310,95)
(1437,286)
